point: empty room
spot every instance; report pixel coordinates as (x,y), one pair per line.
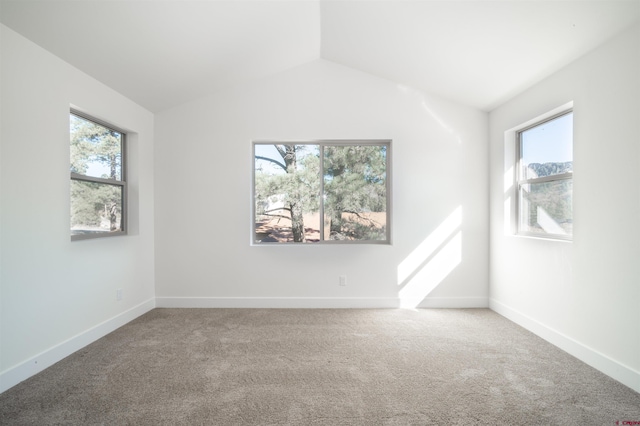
(319,212)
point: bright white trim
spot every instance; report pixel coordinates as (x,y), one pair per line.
(510,178)
(316,302)
(612,368)
(36,364)
(277,302)
(454,302)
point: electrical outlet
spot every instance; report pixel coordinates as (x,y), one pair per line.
(342,280)
(119,294)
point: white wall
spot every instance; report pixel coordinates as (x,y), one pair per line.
(203,185)
(57,295)
(584,296)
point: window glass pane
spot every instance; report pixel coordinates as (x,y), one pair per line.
(95,207)
(546,208)
(547,149)
(96,150)
(286,193)
(355,197)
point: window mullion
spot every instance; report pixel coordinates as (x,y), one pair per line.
(321,189)
(77,176)
(562,176)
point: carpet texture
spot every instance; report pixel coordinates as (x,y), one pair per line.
(319,367)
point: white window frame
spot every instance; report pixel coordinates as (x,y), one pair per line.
(321,144)
(521,179)
(122,183)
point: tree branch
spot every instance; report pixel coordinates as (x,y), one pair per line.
(361,217)
(259,157)
(279,208)
(276,215)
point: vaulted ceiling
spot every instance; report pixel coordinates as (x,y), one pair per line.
(163,53)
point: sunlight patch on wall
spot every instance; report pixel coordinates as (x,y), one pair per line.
(431,262)
(432,274)
(509,178)
(547,223)
(507,217)
(420,254)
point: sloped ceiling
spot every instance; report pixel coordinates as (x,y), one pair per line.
(163,53)
(480,53)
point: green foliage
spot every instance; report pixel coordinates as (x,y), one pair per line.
(555,198)
(95,145)
(355,182)
(93,204)
(95,151)
(359,229)
(292,191)
(298,186)
(354,188)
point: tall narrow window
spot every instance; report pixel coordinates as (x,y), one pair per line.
(329,191)
(98,185)
(545,178)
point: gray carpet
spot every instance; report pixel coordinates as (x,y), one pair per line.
(319,367)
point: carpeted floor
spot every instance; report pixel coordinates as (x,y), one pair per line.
(319,367)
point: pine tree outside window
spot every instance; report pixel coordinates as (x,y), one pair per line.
(321,192)
(98,185)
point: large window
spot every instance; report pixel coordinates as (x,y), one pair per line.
(545,178)
(315,192)
(98,186)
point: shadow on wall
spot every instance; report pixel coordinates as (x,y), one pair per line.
(420,97)
(431,262)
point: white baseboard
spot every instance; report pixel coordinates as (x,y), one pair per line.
(454,302)
(316,302)
(612,368)
(277,302)
(36,364)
